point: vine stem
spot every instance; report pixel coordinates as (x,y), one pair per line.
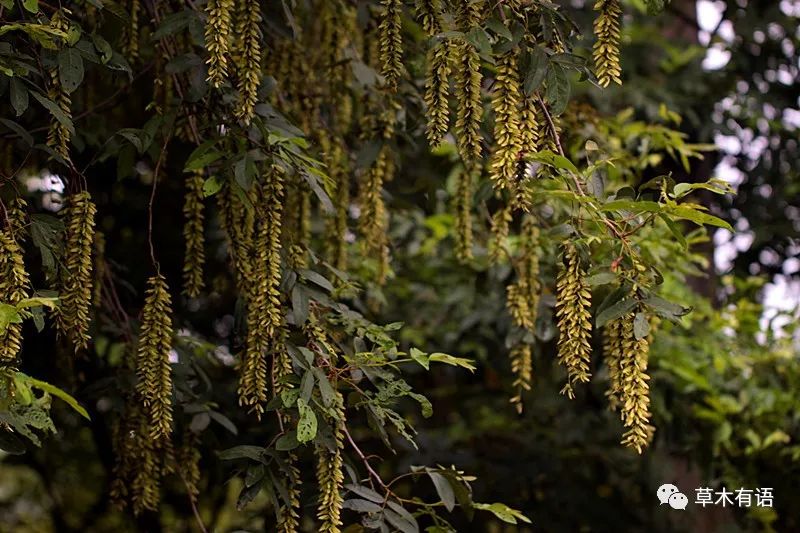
(364,459)
(152,201)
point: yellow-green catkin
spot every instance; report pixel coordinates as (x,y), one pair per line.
(58,134)
(218,37)
(634,395)
(531,134)
(573,303)
(187,463)
(264,312)
(612,351)
(153,370)
(336,223)
(236,222)
(391,43)
(507,137)
(100,268)
(194,236)
(606,47)
(76,276)
(14,287)
(523,296)
(139,462)
(248,30)
(469,109)
(130,47)
(465,189)
(437,87)
(288,515)
(522,367)
(18,219)
(330,476)
(498,240)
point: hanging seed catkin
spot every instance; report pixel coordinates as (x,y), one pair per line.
(437,87)
(606,47)
(465,186)
(330,476)
(469,109)
(522,367)
(77,278)
(194,236)
(507,138)
(499,234)
(573,302)
(153,369)
(264,313)
(391,44)
(634,395)
(14,287)
(248,31)
(58,134)
(218,37)
(612,351)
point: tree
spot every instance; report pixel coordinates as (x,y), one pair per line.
(309,191)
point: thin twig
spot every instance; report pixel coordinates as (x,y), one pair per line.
(152,201)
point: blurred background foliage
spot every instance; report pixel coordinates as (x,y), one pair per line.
(725,380)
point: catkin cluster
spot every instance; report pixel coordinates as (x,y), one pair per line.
(330,476)
(465,189)
(76,277)
(437,87)
(522,367)
(248,58)
(153,370)
(194,236)
(264,312)
(573,302)
(498,240)
(391,44)
(469,111)
(58,135)
(606,47)
(14,286)
(633,389)
(218,37)
(238,224)
(523,296)
(507,134)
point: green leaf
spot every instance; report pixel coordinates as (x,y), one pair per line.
(56,111)
(32,6)
(615,311)
(307,424)
(503,512)
(453,361)
(361,506)
(675,230)
(255,453)
(420,357)
(287,442)
(19,130)
(536,70)
(601,278)
(172,24)
(55,391)
(299,304)
(212,186)
(698,217)
(558,89)
(8,315)
(665,308)
(19,96)
(224,421)
(198,162)
(443,489)
(325,389)
(365,492)
(317,279)
(499,28)
(641,326)
(70,69)
(10,444)
(631,205)
(102,46)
